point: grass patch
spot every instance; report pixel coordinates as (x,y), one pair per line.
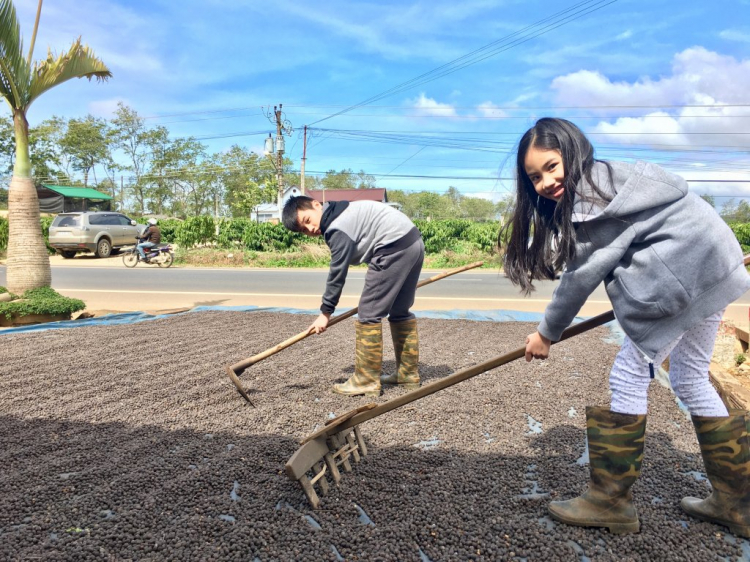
(317,256)
(43,300)
(309,255)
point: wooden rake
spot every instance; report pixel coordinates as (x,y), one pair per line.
(340,440)
(234,371)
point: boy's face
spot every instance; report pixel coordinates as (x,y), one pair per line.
(309,219)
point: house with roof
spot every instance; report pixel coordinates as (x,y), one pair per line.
(63,199)
(269,212)
(378,194)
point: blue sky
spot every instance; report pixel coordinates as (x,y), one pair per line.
(629,73)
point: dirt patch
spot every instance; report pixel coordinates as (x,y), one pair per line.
(128,442)
(728,354)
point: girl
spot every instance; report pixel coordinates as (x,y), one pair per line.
(670,266)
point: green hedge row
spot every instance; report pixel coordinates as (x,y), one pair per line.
(742,232)
(242,233)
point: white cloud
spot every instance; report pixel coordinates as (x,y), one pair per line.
(627,34)
(735,35)
(696,72)
(429,107)
(713,136)
(699,77)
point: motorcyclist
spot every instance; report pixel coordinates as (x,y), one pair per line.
(150,238)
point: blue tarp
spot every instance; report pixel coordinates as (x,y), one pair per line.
(134,317)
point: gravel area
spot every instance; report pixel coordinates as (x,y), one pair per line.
(116,449)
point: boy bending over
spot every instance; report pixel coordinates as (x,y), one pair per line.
(391,246)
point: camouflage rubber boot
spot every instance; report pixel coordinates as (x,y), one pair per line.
(725,447)
(367,364)
(615,456)
(406,346)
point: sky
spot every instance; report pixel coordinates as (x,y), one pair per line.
(424,95)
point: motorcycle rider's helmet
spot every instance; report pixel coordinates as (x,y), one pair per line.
(152,222)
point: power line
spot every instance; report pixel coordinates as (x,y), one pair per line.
(494,107)
(487,51)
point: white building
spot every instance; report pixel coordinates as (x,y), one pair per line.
(270,212)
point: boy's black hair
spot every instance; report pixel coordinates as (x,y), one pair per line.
(294,204)
(542,235)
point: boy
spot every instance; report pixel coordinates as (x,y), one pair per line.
(389,243)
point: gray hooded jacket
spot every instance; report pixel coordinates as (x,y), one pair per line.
(667,260)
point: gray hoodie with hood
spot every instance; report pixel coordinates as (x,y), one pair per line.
(667,260)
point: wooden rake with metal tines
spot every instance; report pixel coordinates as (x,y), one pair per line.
(340,440)
(234,371)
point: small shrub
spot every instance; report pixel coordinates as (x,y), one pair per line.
(3,234)
(739,359)
(43,300)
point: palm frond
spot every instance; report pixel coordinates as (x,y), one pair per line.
(14,71)
(79,62)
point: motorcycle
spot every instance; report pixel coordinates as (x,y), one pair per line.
(161,255)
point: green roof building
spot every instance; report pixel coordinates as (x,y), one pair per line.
(62,199)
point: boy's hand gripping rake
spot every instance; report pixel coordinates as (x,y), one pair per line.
(234,371)
(341,440)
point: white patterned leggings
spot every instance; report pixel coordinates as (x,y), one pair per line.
(689,358)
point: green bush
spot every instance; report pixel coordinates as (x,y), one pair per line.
(448,235)
(742,232)
(43,300)
(196,231)
(243,233)
(232,232)
(45,223)
(484,235)
(259,237)
(168,228)
(3,234)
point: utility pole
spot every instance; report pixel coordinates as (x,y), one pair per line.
(282,127)
(279,157)
(304,157)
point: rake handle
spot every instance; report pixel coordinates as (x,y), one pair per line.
(237,368)
(459,376)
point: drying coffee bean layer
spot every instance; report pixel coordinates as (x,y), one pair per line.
(130,443)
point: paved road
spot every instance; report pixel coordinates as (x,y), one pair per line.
(108,285)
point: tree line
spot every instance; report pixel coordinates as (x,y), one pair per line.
(146,171)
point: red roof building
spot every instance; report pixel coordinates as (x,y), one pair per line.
(373,194)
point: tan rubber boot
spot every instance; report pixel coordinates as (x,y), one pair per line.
(406,346)
(725,447)
(367,364)
(615,456)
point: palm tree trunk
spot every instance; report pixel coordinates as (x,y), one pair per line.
(28,262)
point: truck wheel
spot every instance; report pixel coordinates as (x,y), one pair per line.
(68,254)
(103,248)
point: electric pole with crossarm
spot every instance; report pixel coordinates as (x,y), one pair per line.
(283,127)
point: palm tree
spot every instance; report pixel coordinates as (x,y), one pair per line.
(21,82)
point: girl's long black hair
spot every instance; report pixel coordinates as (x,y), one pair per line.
(540,238)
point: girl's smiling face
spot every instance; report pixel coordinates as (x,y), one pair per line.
(546,172)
